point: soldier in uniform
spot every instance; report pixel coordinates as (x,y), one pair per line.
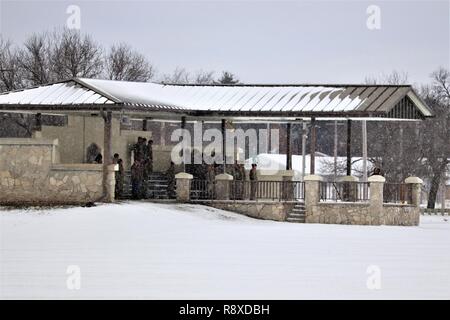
(237,177)
(253,181)
(136,179)
(119,179)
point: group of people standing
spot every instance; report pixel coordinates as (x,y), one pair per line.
(239,190)
(142,166)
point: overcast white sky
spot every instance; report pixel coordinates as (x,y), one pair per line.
(260,41)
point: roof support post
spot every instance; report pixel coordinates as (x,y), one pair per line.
(38,122)
(288,147)
(313,146)
(364,153)
(335,150)
(144,124)
(224,158)
(107,150)
(304,136)
(349,147)
(183,126)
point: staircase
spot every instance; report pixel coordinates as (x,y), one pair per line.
(297,214)
(157,186)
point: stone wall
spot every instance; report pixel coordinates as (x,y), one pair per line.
(362,214)
(269,210)
(30,175)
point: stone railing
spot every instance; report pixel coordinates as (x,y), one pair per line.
(30,175)
(371,212)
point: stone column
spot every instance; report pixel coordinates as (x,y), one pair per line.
(183,186)
(376,198)
(312,195)
(111,182)
(223,186)
(416,185)
(350,191)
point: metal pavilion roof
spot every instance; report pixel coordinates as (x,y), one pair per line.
(320,100)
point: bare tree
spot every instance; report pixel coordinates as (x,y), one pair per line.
(393,78)
(181,76)
(11,77)
(436,131)
(75,55)
(123,63)
(35,59)
(203,77)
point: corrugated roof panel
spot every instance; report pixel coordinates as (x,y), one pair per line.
(371,98)
(356,99)
(393,99)
(290,105)
(271,93)
(65,95)
(260,94)
(381,98)
(335,99)
(252,96)
(304,103)
(27,98)
(52,94)
(233,103)
(77,93)
(272,103)
(217,105)
(280,100)
(326,99)
(345,99)
(202,100)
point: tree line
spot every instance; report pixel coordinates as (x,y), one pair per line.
(62,54)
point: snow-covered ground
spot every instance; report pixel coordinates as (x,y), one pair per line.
(168,251)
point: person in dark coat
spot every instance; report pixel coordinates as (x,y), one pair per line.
(98,158)
(119,179)
(253,181)
(139,149)
(136,179)
(115,159)
(238,177)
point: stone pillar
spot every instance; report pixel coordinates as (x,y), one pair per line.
(416,185)
(223,186)
(312,195)
(183,186)
(349,190)
(376,198)
(111,182)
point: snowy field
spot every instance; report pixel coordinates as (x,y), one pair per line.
(168,251)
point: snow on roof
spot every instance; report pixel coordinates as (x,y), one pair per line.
(238,98)
(67,93)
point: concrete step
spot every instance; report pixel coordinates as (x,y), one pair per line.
(296,215)
(296,220)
